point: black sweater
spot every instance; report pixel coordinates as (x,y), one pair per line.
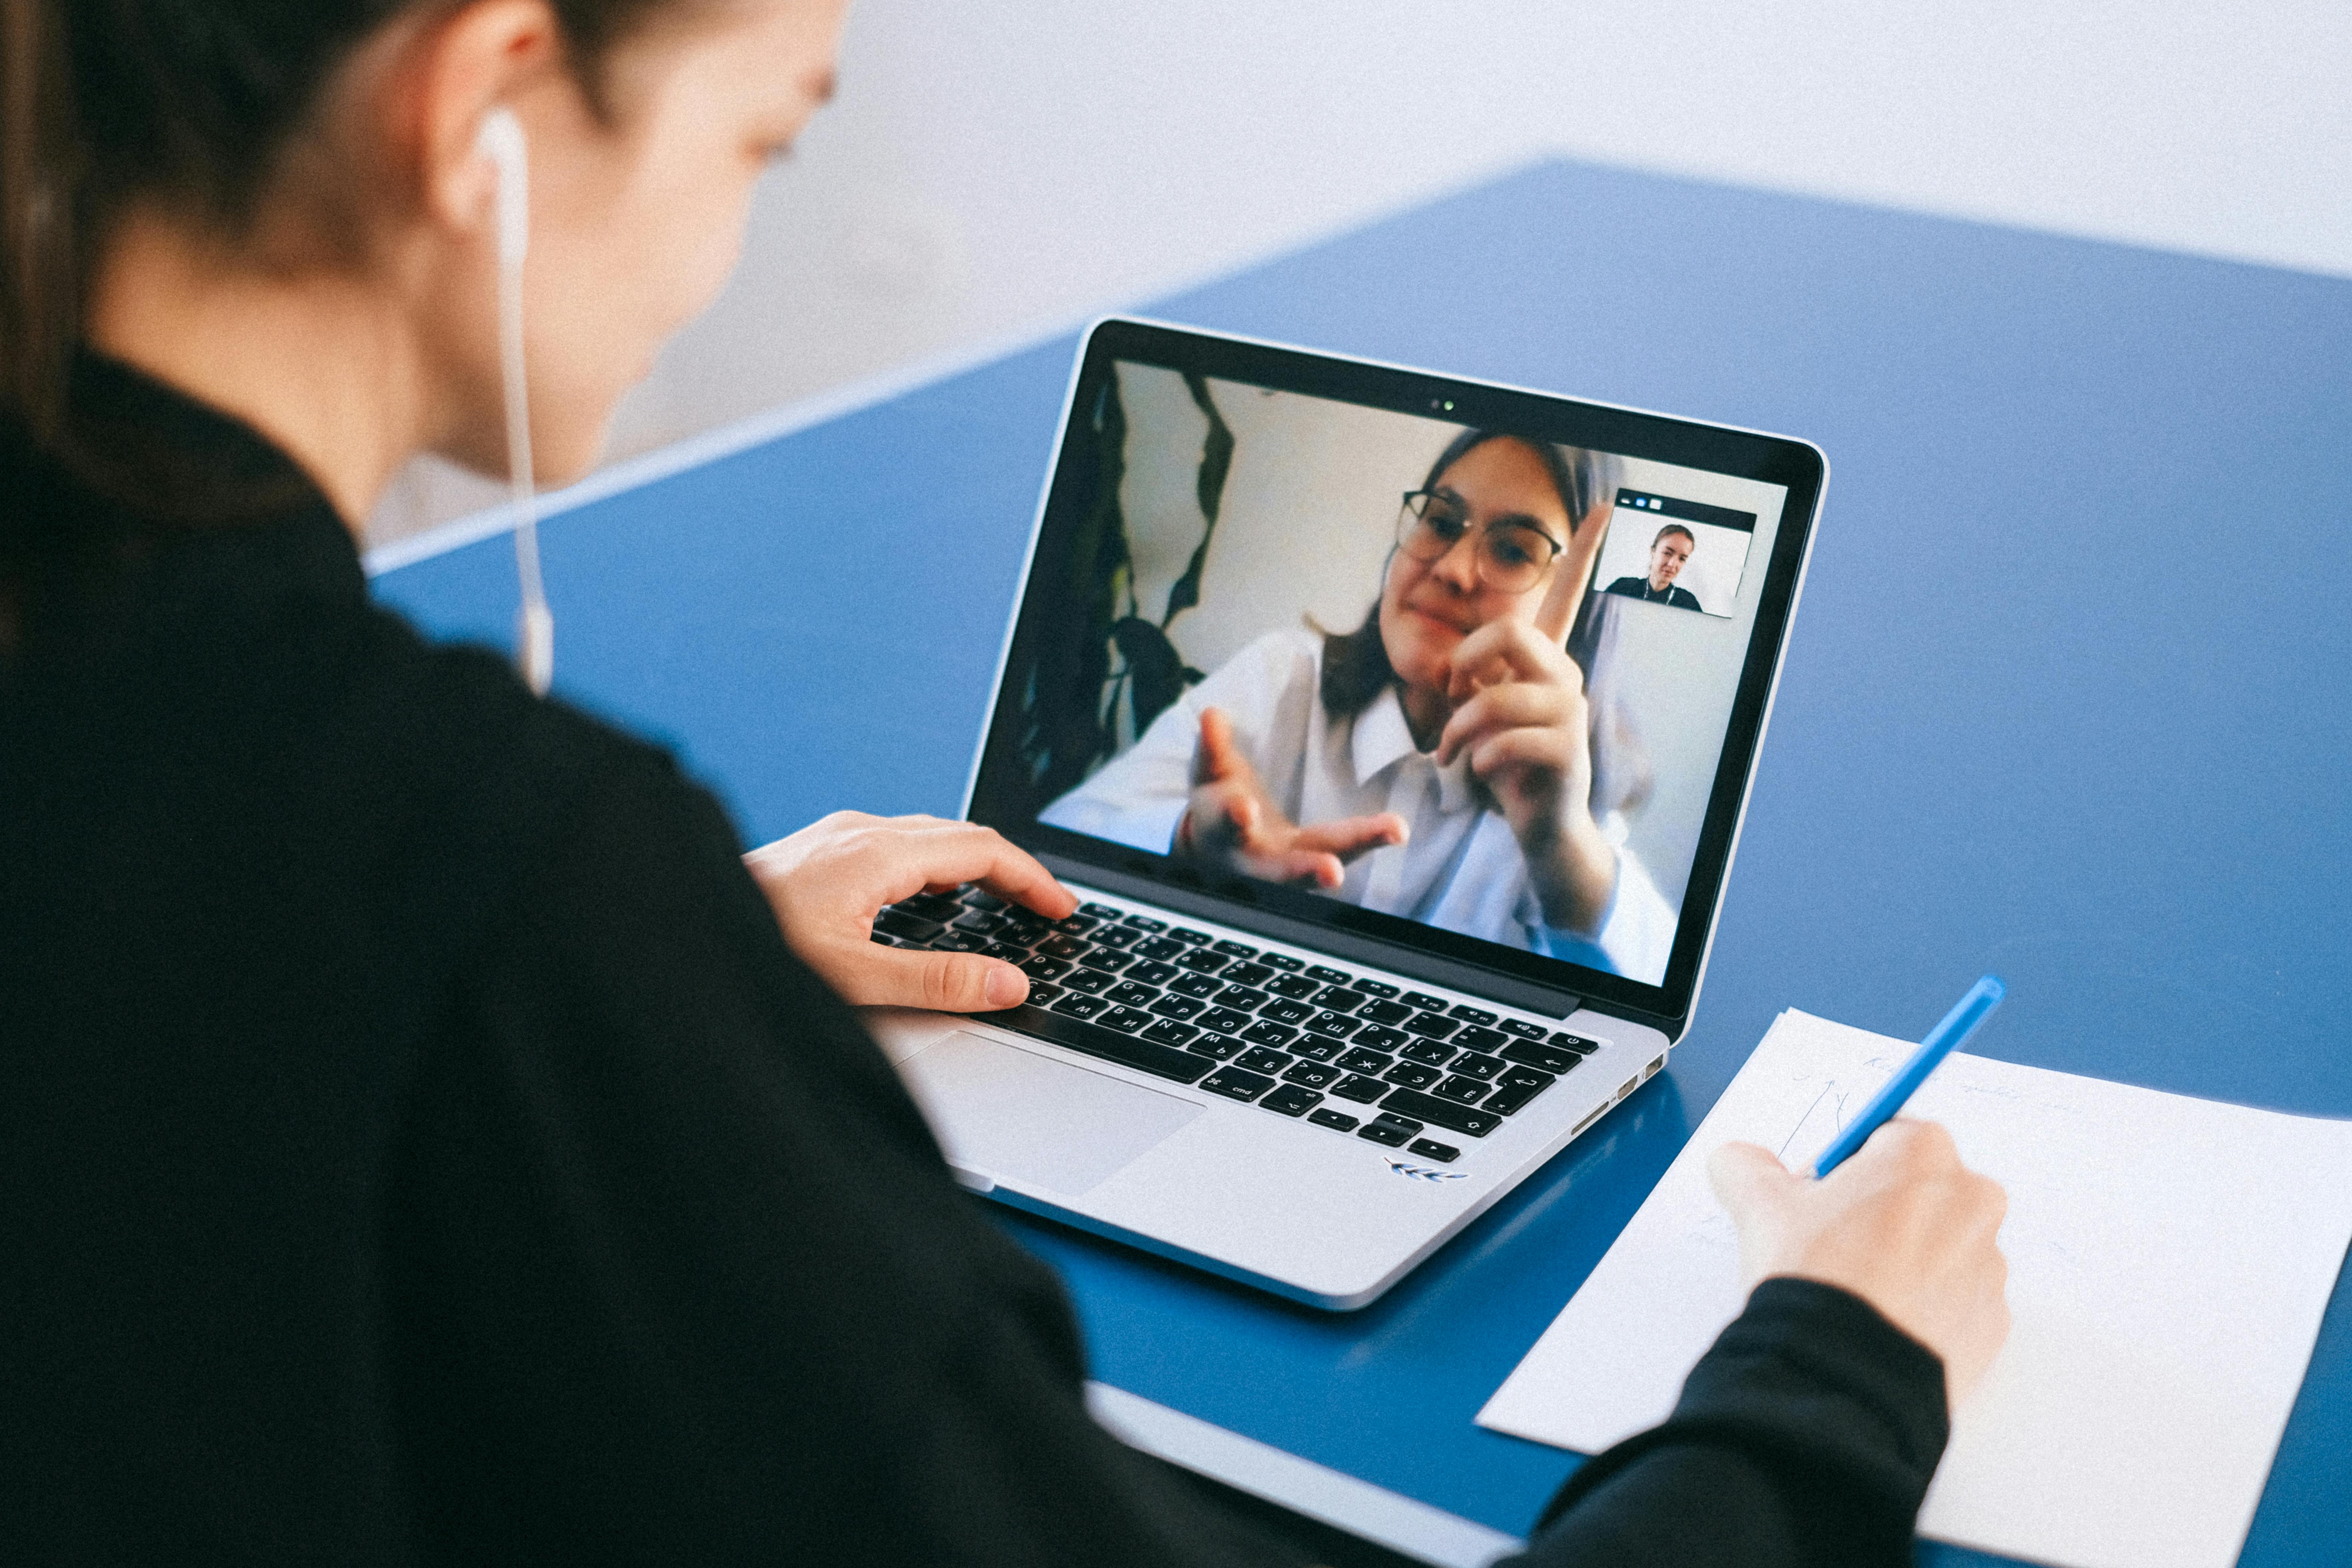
(418,1142)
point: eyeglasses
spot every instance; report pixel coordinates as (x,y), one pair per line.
(1512,556)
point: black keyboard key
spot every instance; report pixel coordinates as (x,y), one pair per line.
(1467,1090)
(1278,960)
(1202,985)
(1218,1047)
(1362,1091)
(1543,1058)
(1314,1047)
(1126,1020)
(1384,1132)
(1128,994)
(1262,1060)
(1361,1061)
(1152,974)
(1430,1053)
(1089,980)
(1096,1041)
(878,940)
(1249,973)
(1100,911)
(1283,1010)
(1430,1148)
(980,898)
(1041,992)
(1509,1096)
(1470,1014)
(1291,1100)
(1523,1029)
(1442,1113)
(941,907)
(1296,986)
(1117,936)
(1006,950)
(1187,934)
(1143,922)
(1377,987)
(979,922)
(1525,1078)
(1022,926)
(1203,961)
(1577,1043)
(1105,963)
(1328,975)
(1340,999)
(1391,1119)
(1160,947)
(1065,947)
(1423,1000)
(1168,1032)
(1483,1068)
(1241,999)
(1265,1034)
(1178,1007)
(1234,1084)
(1337,1120)
(910,928)
(960,942)
(1385,1011)
(1377,1039)
(1429,1026)
(1314,1074)
(1480,1038)
(1044,968)
(1075,925)
(1079,1006)
(1337,1026)
(1225,1020)
(1412,1075)
(1232,949)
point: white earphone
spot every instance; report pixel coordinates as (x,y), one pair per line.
(501,141)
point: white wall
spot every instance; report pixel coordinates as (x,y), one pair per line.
(996,168)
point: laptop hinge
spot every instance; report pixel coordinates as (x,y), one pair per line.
(1511,990)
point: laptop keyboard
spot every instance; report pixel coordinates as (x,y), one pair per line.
(1355,1053)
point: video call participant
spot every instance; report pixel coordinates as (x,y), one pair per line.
(1437,761)
(418,1142)
(1668,554)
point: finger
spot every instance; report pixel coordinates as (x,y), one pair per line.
(1572,573)
(1750,1182)
(1220,757)
(1513,705)
(1504,650)
(1301,867)
(1352,836)
(1540,751)
(929,852)
(941,981)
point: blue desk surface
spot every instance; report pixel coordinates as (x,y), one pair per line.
(2066,698)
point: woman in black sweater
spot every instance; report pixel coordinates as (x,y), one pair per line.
(420,1138)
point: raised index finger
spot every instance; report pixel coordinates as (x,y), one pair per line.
(1573,572)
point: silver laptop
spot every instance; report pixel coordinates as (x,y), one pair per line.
(1395,729)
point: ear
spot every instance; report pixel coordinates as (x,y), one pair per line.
(484,55)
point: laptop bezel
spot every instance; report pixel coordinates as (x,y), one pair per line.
(1453,958)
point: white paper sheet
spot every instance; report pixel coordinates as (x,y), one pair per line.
(2169,1261)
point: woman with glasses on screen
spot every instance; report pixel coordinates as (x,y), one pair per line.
(420,1139)
(1438,762)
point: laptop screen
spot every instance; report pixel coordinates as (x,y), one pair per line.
(1437,666)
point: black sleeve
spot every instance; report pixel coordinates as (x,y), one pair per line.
(1806,1436)
(676,1273)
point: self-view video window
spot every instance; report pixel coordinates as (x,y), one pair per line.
(1682,554)
(1375,656)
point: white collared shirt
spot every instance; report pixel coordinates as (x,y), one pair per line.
(1459,869)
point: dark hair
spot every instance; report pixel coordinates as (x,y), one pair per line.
(1673,528)
(1356,666)
(188,103)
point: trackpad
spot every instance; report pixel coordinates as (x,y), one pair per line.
(1034,1122)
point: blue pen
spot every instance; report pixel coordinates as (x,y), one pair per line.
(1948,1036)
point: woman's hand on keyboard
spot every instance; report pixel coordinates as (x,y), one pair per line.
(828,882)
(1902,1224)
